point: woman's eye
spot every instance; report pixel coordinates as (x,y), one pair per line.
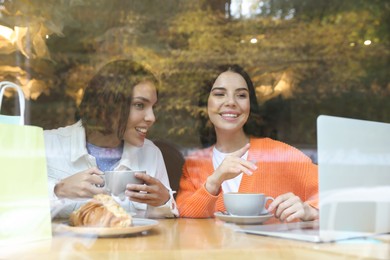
(242,95)
(218,94)
(138,105)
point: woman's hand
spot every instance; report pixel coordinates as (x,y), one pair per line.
(81,185)
(154,193)
(232,166)
(288,207)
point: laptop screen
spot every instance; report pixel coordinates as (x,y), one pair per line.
(354,174)
(354,184)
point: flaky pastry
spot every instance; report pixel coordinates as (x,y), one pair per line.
(101,211)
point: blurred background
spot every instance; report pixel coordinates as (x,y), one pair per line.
(306,58)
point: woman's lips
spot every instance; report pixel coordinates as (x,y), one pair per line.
(141,130)
(229,116)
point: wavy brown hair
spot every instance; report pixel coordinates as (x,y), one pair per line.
(107,98)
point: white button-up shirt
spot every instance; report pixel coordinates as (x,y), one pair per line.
(66,154)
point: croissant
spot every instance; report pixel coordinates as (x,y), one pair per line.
(101,211)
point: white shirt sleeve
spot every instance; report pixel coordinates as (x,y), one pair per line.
(169,209)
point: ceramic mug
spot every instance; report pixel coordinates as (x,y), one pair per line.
(246,204)
(116,181)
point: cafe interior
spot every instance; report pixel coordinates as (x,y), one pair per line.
(306,58)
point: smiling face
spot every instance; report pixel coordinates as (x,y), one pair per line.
(141,116)
(228,103)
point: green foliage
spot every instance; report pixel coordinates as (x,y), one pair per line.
(317,47)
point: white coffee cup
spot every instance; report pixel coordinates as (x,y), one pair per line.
(245,204)
(116,181)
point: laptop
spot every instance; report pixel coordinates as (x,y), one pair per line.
(354,184)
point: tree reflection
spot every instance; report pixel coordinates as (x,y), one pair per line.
(306,57)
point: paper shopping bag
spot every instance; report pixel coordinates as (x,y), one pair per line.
(24,201)
(7,119)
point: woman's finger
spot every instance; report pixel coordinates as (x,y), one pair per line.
(146,178)
(278,200)
(94,170)
(248,164)
(241,152)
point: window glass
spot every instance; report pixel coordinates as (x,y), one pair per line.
(305,57)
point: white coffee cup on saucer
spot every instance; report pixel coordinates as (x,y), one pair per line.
(246,204)
(116,181)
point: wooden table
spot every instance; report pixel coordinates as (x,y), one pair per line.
(195,239)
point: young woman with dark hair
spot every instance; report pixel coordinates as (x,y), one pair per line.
(253,126)
(238,161)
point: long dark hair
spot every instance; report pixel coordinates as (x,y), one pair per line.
(107,97)
(253,126)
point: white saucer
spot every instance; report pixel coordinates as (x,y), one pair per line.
(243,220)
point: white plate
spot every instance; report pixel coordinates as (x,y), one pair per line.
(243,220)
(139,225)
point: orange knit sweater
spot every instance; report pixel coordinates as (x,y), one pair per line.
(281,169)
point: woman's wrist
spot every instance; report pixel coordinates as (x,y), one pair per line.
(167,198)
(212,185)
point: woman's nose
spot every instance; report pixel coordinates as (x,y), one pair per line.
(150,117)
(230,100)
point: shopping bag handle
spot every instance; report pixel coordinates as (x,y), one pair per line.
(8,84)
